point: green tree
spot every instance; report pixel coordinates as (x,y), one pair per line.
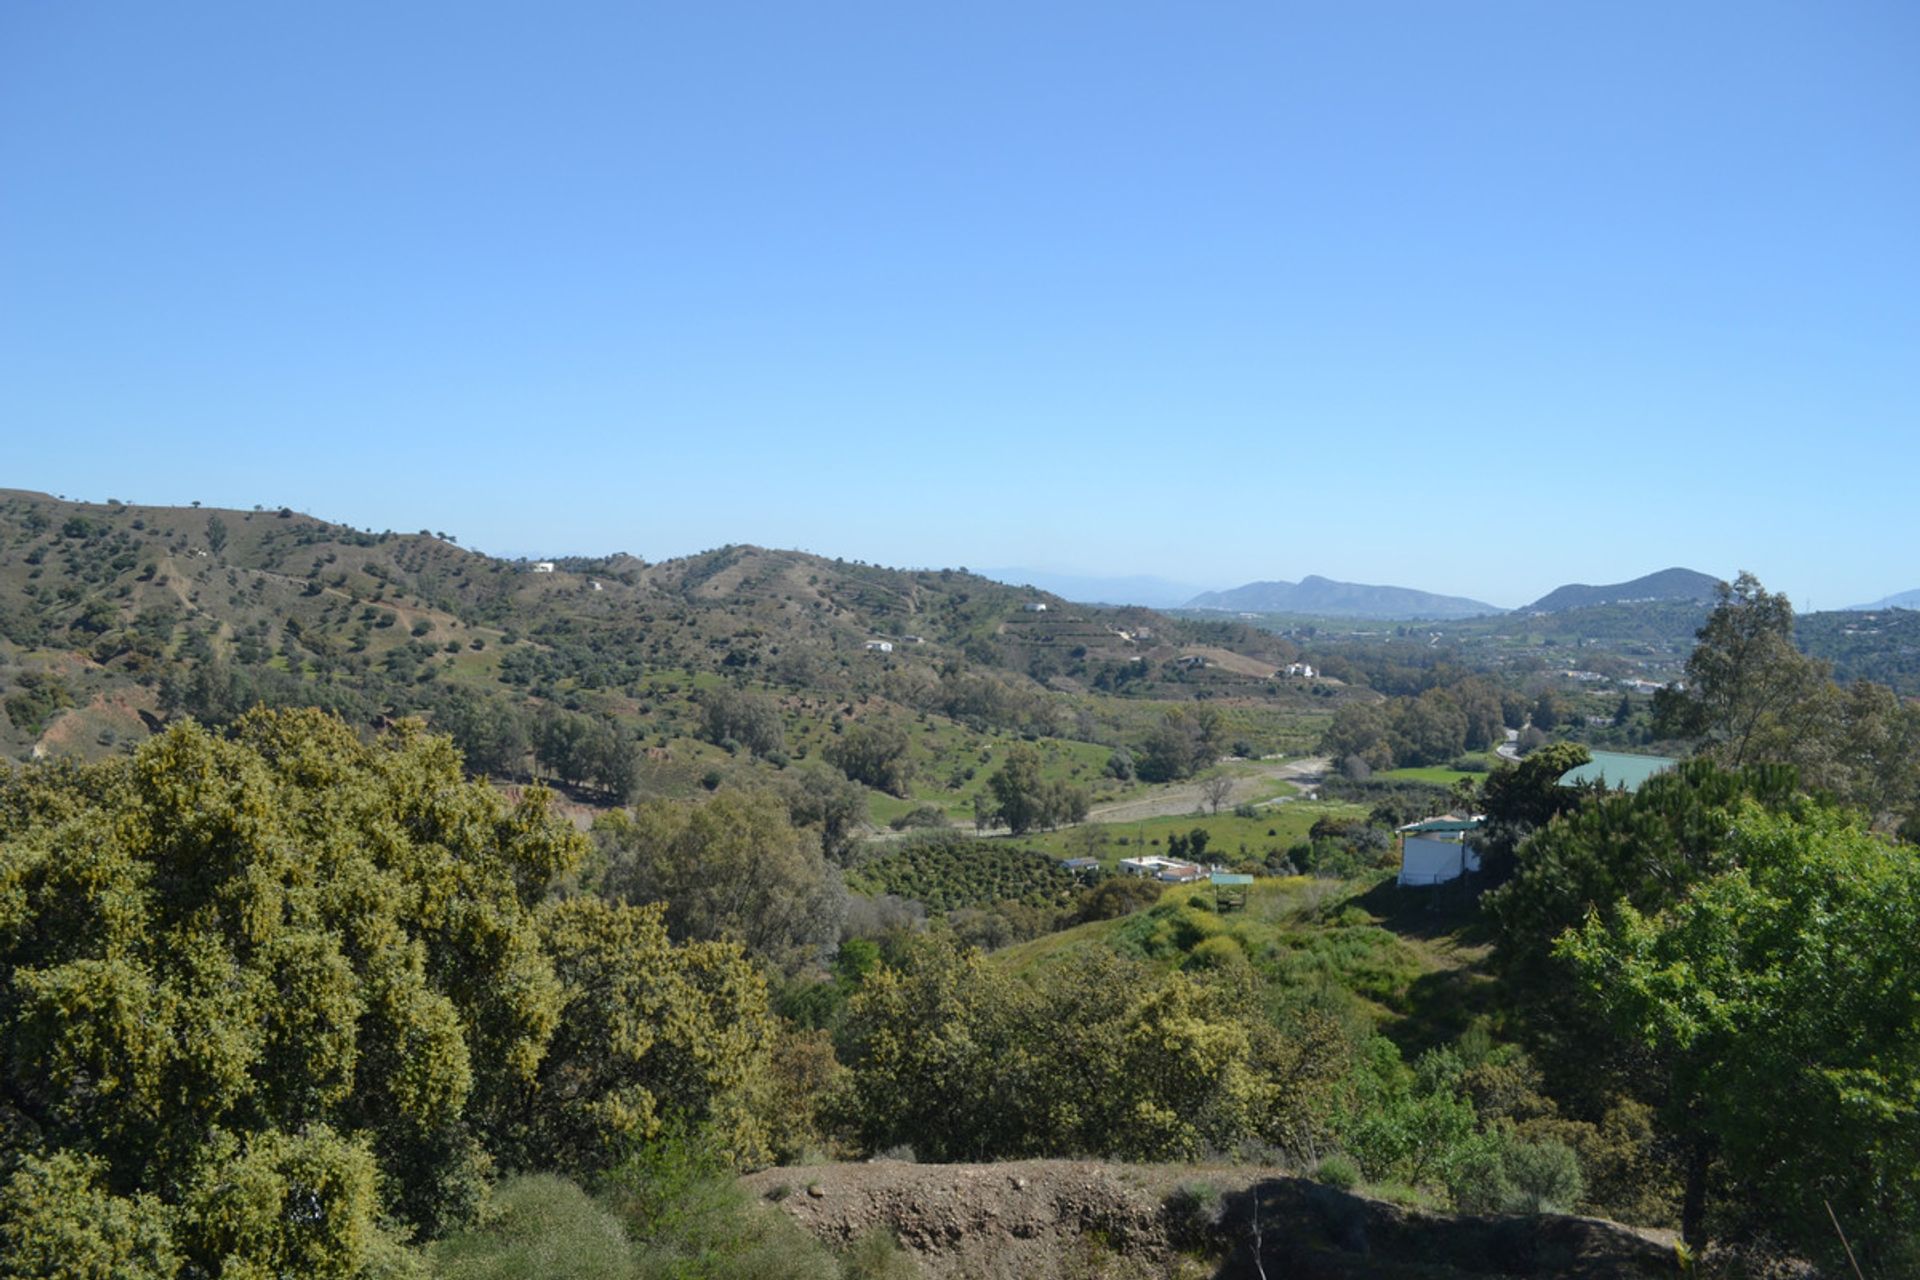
(750,719)
(649,1034)
(1183,741)
(1019,795)
(731,868)
(269,993)
(1360,731)
(1429,729)
(875,754)
(1642,849)
(1517,799)
(826,802)
(1781,997)
(1748,694)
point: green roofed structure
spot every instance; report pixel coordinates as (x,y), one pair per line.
(1230,890)
(1616,770)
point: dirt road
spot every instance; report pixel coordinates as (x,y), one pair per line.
(1256,778)
(1253,779)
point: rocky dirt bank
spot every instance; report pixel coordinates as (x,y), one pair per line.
(1086,1219)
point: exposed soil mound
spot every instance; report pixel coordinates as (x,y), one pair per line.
(1040,1218)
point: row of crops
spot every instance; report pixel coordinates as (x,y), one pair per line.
(948,873)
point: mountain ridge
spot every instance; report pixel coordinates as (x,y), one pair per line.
(1146,591)
(1898,600)
(1667,584)
(1331,598)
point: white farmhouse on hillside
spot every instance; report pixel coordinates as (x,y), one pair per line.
(1162,869)
(879,646)
(1035,606)
(543,566)
(1436,850)
(1300,670)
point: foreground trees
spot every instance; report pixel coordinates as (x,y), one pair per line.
(959,1059)
(275,998)
(731,868)
(1741,958)
(1780,997)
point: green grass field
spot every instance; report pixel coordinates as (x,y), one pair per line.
(1229,837)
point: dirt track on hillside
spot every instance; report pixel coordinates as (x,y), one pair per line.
(1188,796)
(1173,801)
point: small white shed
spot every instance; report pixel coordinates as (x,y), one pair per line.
(1436,851)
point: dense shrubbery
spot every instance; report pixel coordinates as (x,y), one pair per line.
(276,997)
(1431,728)
(964,1061)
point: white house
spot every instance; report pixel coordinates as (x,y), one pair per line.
(879,646)
(1162,869)
(1436,851)
(1300,670)
(543,566)
(1035,606)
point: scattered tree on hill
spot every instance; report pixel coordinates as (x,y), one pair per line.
(875,754)
(1751,696)
(1018,792)
(750,719)
(828,803)
(1215,791)
(1183,742)
(1747,688)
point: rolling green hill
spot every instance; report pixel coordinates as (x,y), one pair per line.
(603,673)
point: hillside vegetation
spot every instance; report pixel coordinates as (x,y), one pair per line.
(370,907)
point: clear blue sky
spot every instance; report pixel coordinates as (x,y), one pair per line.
(1472,297)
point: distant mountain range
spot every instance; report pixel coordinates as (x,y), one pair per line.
(1146,591)
(1326,598)
(1905,600)
(1668,584)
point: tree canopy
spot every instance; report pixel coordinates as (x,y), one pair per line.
(275,996)
(1781,996)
